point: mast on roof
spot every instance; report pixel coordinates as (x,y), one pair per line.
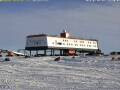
(65,34)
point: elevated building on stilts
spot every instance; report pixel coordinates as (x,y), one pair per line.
(60,45)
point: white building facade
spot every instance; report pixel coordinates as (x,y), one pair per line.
(42,41)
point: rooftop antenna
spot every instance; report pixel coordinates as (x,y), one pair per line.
(65,29)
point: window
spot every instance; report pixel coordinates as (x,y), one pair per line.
(37,43)
(94,42)
(59,43)
(76,44)
(81,41)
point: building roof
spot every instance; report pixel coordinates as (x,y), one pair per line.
(41,35)
(37,35)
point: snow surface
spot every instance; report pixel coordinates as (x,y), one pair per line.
(43,73)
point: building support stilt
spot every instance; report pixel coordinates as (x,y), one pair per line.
(60,52)
(53,52)
(36,52)
(30,53)
(45,52)
(64,52)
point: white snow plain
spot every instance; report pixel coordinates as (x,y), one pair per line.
(43,73)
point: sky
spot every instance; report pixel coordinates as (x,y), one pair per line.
(87,19)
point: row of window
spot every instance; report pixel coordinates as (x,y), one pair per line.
(40,42)
(70,44)
(89,42)
(36,42)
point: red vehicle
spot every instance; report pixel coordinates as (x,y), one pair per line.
(70,52)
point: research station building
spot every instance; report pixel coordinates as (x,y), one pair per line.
(64,44)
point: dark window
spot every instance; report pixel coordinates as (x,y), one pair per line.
(59,43)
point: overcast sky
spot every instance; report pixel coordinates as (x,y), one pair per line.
(99,20)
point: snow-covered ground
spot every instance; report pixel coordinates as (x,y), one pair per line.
(43,73)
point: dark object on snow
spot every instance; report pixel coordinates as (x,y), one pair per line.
(7,59)
(118,58)
(27,56)
(57,59)
(73,57)
(115,53)
(3,59)
(115,59)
